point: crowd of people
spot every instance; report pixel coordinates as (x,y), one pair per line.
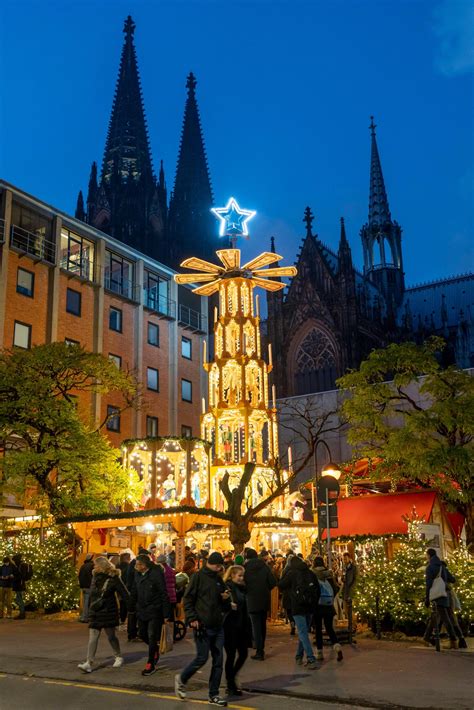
(226,601)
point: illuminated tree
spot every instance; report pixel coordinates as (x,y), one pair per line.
(54,454)
(54,584)
(461,565)
(418,418)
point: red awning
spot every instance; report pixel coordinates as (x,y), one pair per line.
(381,514)
(456,520)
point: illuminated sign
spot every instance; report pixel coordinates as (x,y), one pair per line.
(233,219)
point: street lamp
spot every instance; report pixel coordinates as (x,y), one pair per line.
(330,469)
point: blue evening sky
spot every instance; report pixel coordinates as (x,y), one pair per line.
(285,89)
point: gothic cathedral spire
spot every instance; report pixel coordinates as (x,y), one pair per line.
(190,219)
(382,238)
(127,202)
(379,212)
(127,149)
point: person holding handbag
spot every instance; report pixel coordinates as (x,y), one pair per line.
(437,577)
(454,606)
(236,632)
(104,610)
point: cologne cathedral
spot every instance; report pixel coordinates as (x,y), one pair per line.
(128,201)
(331,315)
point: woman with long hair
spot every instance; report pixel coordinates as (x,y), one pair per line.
(236,631)
(104,610)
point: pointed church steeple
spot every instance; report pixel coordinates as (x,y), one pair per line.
(127,148)
(308,220)
(80,213)
(344,252)
(92,193)
(382,238)
(343,243)
(190,219)
(379,212)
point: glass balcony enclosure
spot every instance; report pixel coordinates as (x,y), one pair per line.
(77,255)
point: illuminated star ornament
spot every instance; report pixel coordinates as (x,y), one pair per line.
(234,223)
(233,219)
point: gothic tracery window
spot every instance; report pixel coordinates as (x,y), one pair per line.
(315,362)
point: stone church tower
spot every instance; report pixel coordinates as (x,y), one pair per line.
(332,315)
(128,201)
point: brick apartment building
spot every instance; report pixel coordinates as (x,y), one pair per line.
(64,280)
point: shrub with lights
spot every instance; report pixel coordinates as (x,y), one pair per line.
(399,584)
(54,584)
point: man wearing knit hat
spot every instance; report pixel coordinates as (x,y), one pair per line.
(205,602)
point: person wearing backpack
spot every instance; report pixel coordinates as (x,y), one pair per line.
(23,574)
(325,612)
(304,597)
(437,577)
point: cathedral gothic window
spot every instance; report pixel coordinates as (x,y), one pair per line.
(316,363)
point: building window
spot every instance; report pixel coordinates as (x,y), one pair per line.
(115,319)
(22,335)
(118,274)
(153,334)
(157,293)
(152,379)
(186,391)
(77,255)
(31,232)
(69,341)
(186,431)
(186,348)
(73,302)
(25,282)
(152,426)
(113,418)
(116,359)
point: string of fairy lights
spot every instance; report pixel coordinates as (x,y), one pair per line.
(54,585)
(398,584)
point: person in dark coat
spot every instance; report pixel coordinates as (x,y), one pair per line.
(236,633)
(152,605)
(259,582)
(85,583)
(324,611)
(285,598)
(206,601)
(440,608)
(23,572)
(132,625)
(304,596)
(7,576)
(452,607)
(104,610)
(125,559)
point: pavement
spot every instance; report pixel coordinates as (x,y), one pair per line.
(373,674)
(34,693)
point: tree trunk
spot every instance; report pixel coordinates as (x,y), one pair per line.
(239,535)
(469,513)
